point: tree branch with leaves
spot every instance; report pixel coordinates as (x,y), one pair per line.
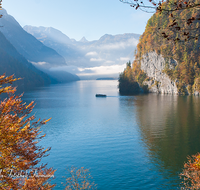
(20,154)
(183,23)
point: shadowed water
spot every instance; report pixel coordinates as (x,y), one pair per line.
(127,142)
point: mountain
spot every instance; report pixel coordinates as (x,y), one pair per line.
(41,56)
(14,63)
(108,50)
(55,39)
(83,40)
(163,65)
(117,38)
(48,33)
(27,45)
(104,57)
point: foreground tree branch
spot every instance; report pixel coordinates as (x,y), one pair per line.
(183,15)
(20,154)
(191,173)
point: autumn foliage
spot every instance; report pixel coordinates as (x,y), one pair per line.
(131,79)
(191,173)
(185,48)
(79,179)
(185,27)
(20,154)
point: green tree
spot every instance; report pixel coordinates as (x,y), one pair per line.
(127,82)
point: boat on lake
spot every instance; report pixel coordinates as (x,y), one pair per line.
(100,95)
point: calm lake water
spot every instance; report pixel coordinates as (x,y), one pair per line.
(127,142)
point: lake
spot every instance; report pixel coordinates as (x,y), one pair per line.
(127,142)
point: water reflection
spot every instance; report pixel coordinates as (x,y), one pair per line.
(170,128)
(135,142)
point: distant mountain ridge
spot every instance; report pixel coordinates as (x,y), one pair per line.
(55,39)
(14,63)
(107,38)
(83,40)
(31,49)
(44,32)
(108,50)
(26,44)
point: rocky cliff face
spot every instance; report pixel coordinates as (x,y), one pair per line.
(182,77)
(153,65)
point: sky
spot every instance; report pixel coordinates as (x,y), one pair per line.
(79,18)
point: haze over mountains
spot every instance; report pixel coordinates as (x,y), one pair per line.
(89,59)
(14,63)
(32,49)
(60,57)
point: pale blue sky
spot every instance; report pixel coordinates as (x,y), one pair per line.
(78,18)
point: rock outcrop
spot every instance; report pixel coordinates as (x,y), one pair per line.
(158,82)
(168,57)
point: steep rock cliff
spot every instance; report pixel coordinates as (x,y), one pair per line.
(158,81)
(171,66)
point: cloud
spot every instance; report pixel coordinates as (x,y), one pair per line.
(96,59)
(120,45)
(39,63)
(91,53)
(124,58)
(101,70)
(109,62)
(70,69)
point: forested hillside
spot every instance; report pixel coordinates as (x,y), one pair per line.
(184,51)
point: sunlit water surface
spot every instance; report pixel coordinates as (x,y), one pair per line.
(127,142)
